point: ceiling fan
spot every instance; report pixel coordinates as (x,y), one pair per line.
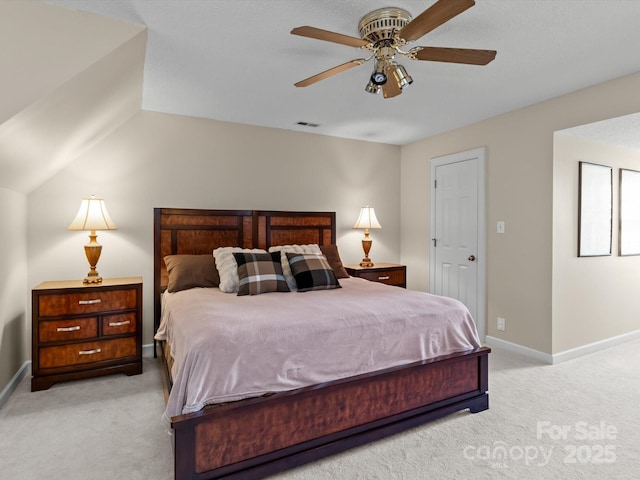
(385,32)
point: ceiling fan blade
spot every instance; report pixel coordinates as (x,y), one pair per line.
(434,16)
(390,88)
(326,35)
(469,56)
(328,73)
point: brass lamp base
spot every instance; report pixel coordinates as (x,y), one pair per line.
(92,250)
(366,246)
(89,279)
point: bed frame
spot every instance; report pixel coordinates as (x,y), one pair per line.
(253,438)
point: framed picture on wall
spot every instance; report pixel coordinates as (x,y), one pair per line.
(629,218)
(595,210)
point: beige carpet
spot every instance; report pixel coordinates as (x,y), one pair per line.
(103,428)
(575,420)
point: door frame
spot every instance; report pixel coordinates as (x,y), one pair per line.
(479,154)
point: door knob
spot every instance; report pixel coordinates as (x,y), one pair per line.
(472,258)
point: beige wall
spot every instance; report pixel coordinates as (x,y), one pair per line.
(521,256)
(594,298)
(519,187)
(14,323)
(161,160)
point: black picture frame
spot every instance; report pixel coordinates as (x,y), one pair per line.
(629,213)
(595,210)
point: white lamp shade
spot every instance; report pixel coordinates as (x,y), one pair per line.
(92,215)
(367,218)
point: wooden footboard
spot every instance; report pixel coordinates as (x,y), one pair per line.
(258,437)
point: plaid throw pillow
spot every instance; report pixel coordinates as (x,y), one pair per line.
(260,273)
(312,272)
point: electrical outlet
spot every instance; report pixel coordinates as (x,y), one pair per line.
(500,226)
(500,324)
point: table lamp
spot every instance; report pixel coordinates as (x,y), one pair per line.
(92,216)
(367,220)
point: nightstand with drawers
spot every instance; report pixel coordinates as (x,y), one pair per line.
(389,273)
(82,331)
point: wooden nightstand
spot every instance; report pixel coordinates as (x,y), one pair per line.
(81,331)
(389,273)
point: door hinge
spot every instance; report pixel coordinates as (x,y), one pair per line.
(435,184)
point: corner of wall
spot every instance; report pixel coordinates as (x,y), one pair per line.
(15,339)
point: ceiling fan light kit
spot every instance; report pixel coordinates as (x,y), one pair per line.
(372,88)
(379,75)
(401,76)
(385,32)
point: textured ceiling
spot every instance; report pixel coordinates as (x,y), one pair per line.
(235,60)
(622,131)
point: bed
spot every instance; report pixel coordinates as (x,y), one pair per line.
(263,434)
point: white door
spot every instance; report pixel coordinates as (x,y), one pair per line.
(457,230)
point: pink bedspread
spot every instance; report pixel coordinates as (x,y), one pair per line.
(228,348)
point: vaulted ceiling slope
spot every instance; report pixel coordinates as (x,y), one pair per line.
(67,79)
(235,60)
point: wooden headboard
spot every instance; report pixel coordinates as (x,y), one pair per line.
(194,231)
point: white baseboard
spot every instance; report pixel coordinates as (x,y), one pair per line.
(560,357)
(22,372)
(517,348)
(595,347)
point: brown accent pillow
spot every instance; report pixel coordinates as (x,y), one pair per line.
(333,257)
(190,271)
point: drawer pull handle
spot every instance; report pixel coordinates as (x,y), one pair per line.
(89,352)
(68,329)
(386,277)
(89,302)
(118,324)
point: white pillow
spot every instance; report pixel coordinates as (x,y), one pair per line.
(286,269)
(228,268)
